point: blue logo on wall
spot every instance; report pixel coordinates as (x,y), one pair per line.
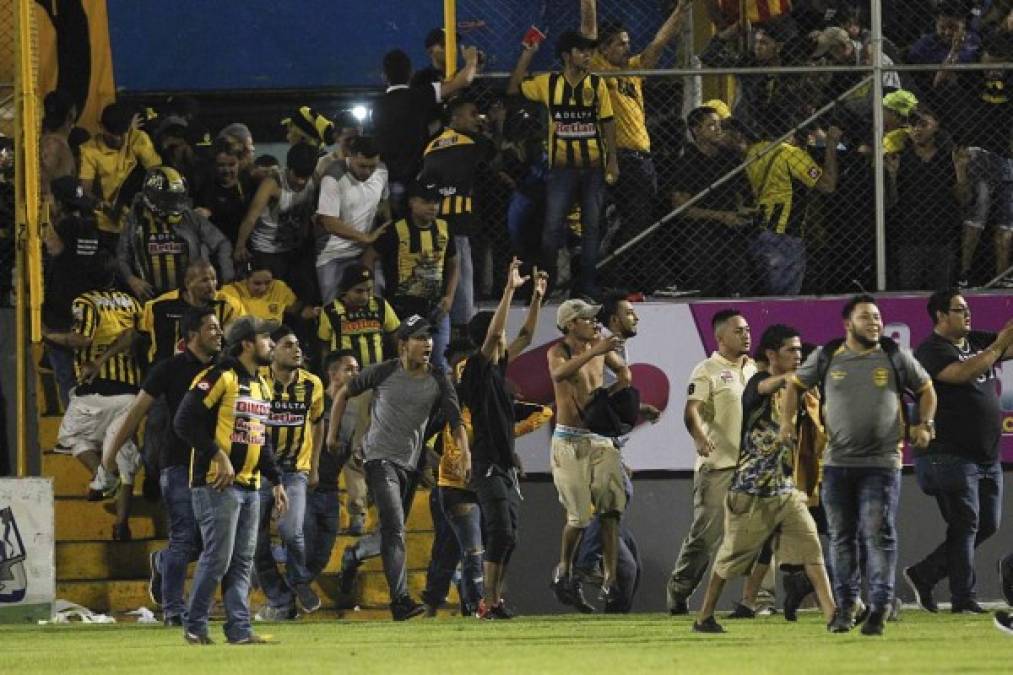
(13,579)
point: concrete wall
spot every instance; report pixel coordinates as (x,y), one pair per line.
(660,516)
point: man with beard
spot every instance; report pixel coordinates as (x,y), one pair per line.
(406,393)
(961,466)
(862,379)
(172,378)
(224,418)
(297,434)
(713,417)
(620,319)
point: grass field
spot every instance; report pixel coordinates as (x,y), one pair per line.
(919,643)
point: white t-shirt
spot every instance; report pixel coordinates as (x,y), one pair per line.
(355,202)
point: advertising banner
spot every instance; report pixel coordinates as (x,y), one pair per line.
(27,565)
(673,338)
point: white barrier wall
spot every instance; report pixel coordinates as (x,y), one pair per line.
(27,565)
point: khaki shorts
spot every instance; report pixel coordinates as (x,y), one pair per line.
(92,422)
(750,520)
(587,471)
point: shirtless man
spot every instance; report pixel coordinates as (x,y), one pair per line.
(586,467)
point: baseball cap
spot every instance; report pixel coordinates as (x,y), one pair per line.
(901,102)
(575,308)
(435,37)
(572,39)
(414,326)
(423,188)
(311,123)
(247,328)
(720,107)
(830,37)
(353,276)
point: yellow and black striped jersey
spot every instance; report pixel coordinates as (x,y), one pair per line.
(415,260)
(164,255)
(627,97)
(576,114)
(161,319)
(781,181)
(102,316)
(295,409)
(451,160)
(359,329)
(228,408)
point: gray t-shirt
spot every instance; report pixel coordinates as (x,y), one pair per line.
(862,408)
(400,411)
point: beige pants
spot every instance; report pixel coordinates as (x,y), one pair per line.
(353,473)
(587,471)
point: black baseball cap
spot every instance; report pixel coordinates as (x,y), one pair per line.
(572,39)
(353,276)
(435,37)
(423,188)
(414,326)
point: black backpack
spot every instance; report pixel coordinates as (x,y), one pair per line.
(908,408)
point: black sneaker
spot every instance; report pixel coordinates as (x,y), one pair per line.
(860,612)
(1006,578)
(349,570)
(1004,621)
(967,607)
(406,608)
(194,639)
(876,622)
(741,612)
(709,625)
(568,592)
(308,599)
(501,610)
(842,621)
(173,621)
(155,580)
(796,587)
(679,607)
(251,639)
(921,588)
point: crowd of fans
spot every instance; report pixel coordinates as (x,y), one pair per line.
(155,216)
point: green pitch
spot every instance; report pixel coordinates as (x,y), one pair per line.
(919,643)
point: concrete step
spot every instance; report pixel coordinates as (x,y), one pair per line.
(49,430)
(71,478)
(126,595)
(113,560)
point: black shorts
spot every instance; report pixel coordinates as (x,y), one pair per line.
(500,504)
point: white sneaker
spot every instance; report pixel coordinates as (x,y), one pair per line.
(103,485)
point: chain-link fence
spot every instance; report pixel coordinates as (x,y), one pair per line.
(747,149)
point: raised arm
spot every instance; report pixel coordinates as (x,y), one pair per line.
(527,330)
(521,69)
(563,367)
(964,372)
(589,18)
(652,52)
(497,327)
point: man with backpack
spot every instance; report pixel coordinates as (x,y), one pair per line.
(862,379)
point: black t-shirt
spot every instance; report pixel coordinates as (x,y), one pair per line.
(228,206)
(483,391)
(172,378)
(968,418)
(926,211)
(400,121)
(696,171)
(68,274)
(983,112)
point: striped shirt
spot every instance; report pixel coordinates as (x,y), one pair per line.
(102,316)
(576,114)
(295,409)
(360,329)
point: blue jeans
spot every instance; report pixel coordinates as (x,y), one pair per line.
(320,528)
(228,522)
(441,338)
(464,298)
(560,185)
(62,363)
(628,567)
(389,484)
(458,539)
(861,504)
(970,498)
(184,538)
(290,528)
(329,276)
(779,261)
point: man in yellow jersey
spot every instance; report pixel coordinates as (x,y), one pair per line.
(109,159)
(296,429)
(106,383)
(361,322)
(582,147)
(781,180)
(225,419)
(162,234)
(637,187)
